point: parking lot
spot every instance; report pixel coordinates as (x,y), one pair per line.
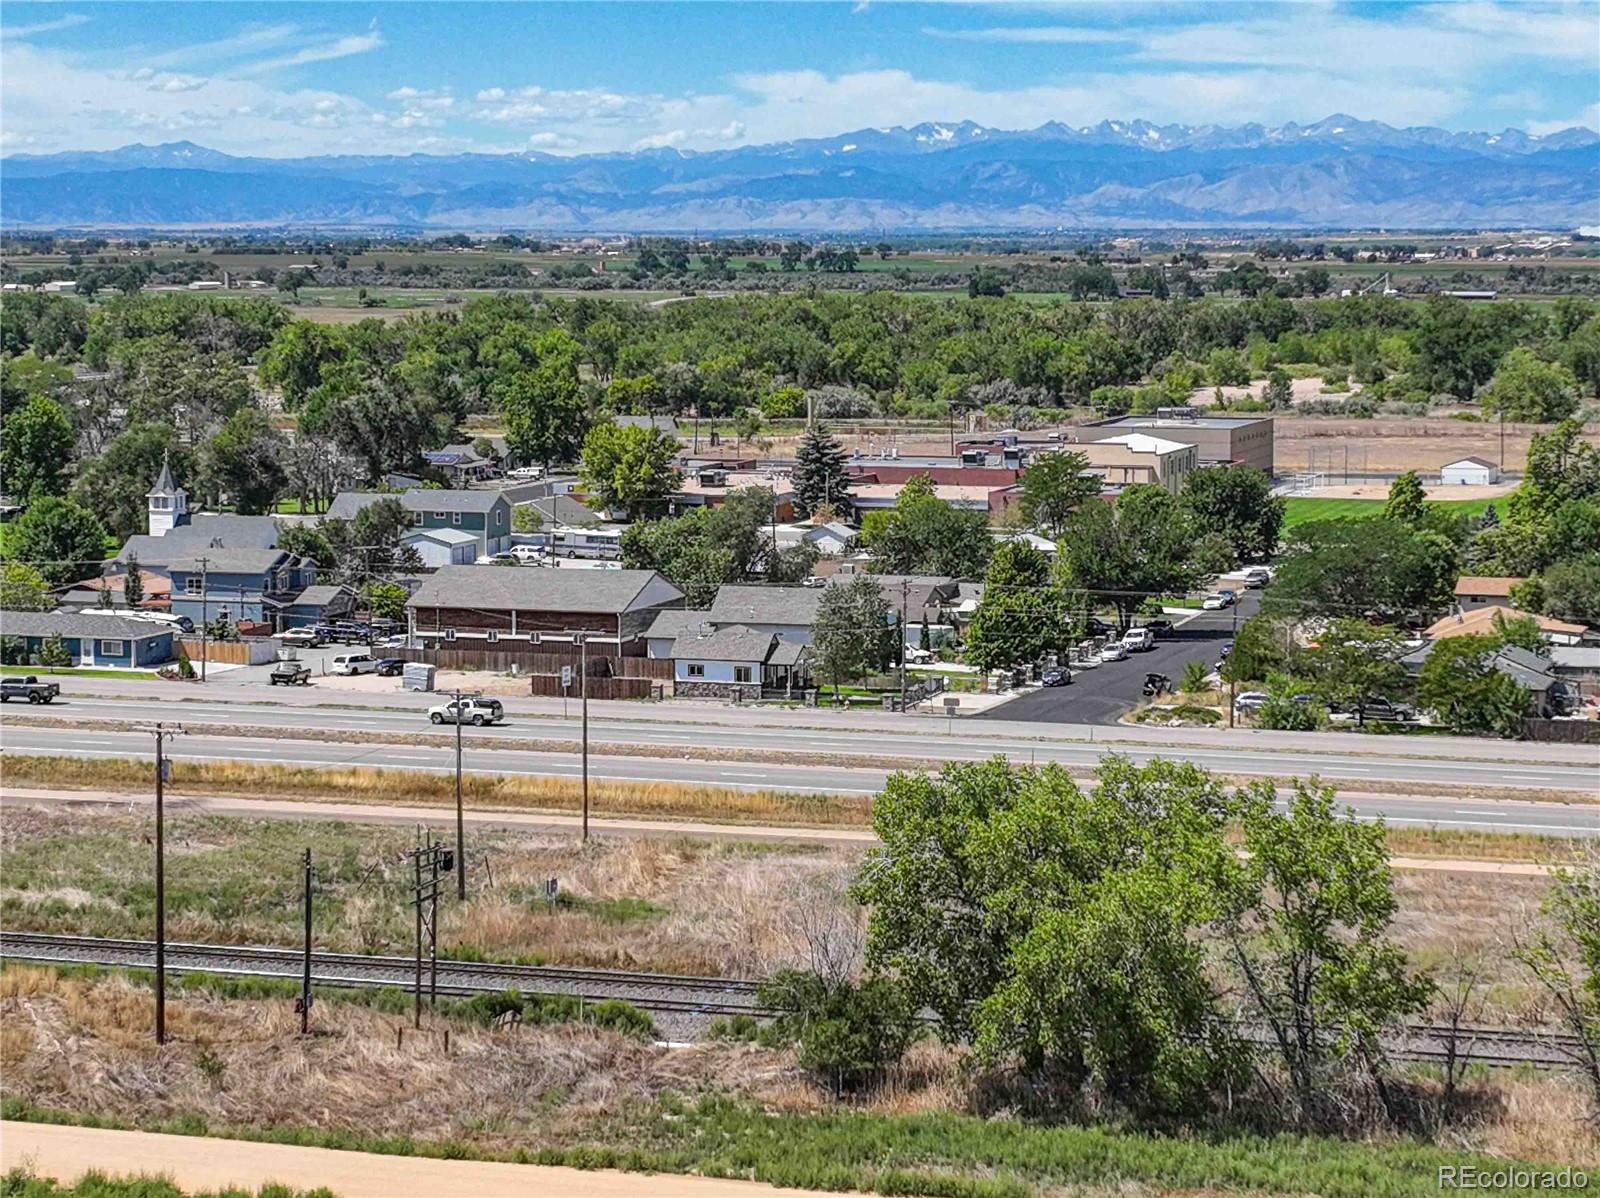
(1101,695)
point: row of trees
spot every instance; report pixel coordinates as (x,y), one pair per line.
(1155,946)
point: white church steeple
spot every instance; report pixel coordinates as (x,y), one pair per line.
(166,503)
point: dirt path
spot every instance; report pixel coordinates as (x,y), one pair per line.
(536,821)
(200,1163)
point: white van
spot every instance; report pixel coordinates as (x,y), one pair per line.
(353,663)
(1137,640)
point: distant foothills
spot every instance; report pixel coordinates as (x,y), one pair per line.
(1336,174)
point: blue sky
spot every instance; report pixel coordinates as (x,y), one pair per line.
(309,78)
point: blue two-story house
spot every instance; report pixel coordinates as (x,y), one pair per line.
(485,515)
(244,584)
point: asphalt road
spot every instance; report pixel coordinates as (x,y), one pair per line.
(1552,818)
(1380,761)
(1103,694)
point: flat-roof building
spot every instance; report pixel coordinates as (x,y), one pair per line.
(1242,439)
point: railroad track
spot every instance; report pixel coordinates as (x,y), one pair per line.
(669,993)
(674,994)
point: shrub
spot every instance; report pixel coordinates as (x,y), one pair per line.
(848,1032)
(1193,678)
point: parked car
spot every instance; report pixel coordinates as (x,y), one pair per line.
(917,655)
(1160,629)
(477,712)
(1056,676)
(1138,640)
(526,473)
(29,688)
(1113,651)
(308,637)
(388,667)
(527,553)
(813,580)
(351,632)
(1257,576)
(353,663)
(1216,602)
(398,641)
(1250,702)
(1379,708)
(290,673)
(1098,627)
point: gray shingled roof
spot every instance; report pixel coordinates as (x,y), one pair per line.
(1531,670)
(529,588)
(419,499)
(424,500)
(786,653)
(203,532)
(675,621)
(766,605)
(733,643)
(54,623)
(320,596)
(233,561)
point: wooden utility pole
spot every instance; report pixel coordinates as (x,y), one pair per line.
(461,824)
(205,613)
(305,958)
(161,732)
(583,687)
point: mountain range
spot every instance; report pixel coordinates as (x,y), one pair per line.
(1337,173)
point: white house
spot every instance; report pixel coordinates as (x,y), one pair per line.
(443,546)
(735,662)
(1469,472)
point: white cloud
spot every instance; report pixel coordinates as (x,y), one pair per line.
(1061,35)
(251,40)
(1589,118)
(70,21)
(340,47)
(551,141)
(177,83)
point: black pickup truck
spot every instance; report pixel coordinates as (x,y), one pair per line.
(29,688)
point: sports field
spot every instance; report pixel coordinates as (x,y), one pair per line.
(1301,510)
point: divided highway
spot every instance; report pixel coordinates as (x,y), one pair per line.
(1562,819)
(1390,762)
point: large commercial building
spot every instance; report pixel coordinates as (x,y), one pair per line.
(1242,439)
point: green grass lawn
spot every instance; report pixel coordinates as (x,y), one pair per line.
(1301,510)
(86,671)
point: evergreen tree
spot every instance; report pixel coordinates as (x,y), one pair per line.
(1406,503)
(133,584)
(818,478)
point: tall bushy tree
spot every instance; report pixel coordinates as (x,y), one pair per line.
(243,462)
(1354,661)
(1054,487)
(543,401)
(923,534)
(819,473)
(1236,503)
(1306,929)
(1145,544)
(708,547)
(1528,389)
(36,441)
(631,467)
(1022,616)
(1363,567)
(852,635)
(1407,503)
(1463,686)
(60,539)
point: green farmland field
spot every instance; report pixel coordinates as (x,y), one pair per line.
(1302,510)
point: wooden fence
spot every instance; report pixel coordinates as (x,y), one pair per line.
(1572,732)
(549,686)
(502,657)
(235,653)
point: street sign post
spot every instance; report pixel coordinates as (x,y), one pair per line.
(951,702)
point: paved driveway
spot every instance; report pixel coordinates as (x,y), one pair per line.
(1101,695)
